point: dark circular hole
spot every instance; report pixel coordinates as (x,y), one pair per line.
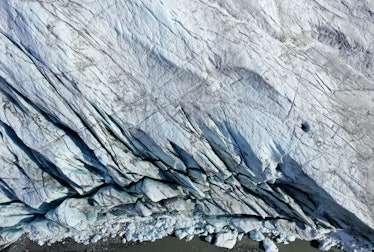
(314,243)
(305,126)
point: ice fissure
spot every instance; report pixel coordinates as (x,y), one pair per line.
(213,118)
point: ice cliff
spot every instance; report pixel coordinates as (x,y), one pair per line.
(213,118)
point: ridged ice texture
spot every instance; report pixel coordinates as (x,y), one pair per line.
(212,118)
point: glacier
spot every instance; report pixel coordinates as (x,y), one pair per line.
(222,119)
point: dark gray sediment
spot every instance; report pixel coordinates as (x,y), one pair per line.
(167,244)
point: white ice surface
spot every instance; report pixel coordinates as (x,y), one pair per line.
(219,116)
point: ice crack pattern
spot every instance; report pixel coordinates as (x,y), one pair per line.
(143,119)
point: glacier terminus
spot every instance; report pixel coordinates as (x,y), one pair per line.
(215,118)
